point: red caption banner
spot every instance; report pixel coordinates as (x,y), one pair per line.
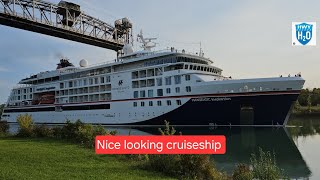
(179,144)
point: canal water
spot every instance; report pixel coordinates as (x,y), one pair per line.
(297,147)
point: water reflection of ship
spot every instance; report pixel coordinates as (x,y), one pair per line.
(242,142)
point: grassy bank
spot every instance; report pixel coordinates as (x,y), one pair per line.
(46,158)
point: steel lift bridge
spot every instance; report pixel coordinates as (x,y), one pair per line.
(65,20)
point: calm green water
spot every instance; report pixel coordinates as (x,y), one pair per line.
(297,147)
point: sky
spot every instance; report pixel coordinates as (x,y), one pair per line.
(247,38)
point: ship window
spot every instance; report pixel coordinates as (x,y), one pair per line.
(177,79)
(86,107)
(142,94)
(159,81)
(135,104)
(107,78)
(190,67)
(30,96)
(150,82)
(150,72)
(85,82)
(168,90)
(18,97)
(159,92)
(96,80)
(150,93)
(188,89)
(143,83)
(159,103)
(179,102)
(150,103)
(90,81)
(101,79)
(202,68)
(19,91)
(24,97)
(194,67)
(142,104)
(142,73)
(168,102)
(61,87)
(185,66)
(177,89)
(168,80)
(135,75)
(25,91)
(187,77)
(135,94)
(70,83)
(198,67)
(75,83)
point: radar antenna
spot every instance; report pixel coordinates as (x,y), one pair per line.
(147,43)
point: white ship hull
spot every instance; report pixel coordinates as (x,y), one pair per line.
(212,102)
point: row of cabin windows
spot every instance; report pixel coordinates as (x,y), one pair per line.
(202,68)
(24,91)
(85,73)
(142,93)
(168,80)
(159,82)
(85,82)
(41,81)
(159,103)
(146,73)
(24,97)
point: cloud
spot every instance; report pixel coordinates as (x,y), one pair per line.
(3,69)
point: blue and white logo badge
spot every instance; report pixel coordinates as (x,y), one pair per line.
(303,33)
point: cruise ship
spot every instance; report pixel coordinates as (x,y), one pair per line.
(147,87)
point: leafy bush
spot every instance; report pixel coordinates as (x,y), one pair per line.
(242,172)
(42,131)
(56,132)
(4,127)
(264,166)
(69,130)
(25,125)
(86,135)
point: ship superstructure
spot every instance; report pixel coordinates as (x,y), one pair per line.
(147,88)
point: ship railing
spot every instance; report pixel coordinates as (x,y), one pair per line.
(173,50)
(22,86)
(99,64)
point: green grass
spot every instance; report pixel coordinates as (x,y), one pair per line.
(40,158)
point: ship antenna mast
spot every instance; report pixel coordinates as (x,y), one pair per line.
(147,43)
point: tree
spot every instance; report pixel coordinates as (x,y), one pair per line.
(1,108)
(315,97)
(303,98)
